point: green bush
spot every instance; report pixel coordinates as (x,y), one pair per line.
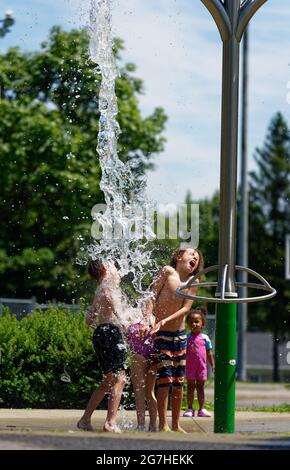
(37,352)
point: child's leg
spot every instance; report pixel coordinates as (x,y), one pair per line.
(163,348)
(138,374)
(114,402)
(177,393)
(162,405)
(178,373)
(190,393)
(200,392)
(150,396)
(96,398)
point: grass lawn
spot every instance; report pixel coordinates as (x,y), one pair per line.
(283,408)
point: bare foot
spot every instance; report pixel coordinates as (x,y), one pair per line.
(179,429)
(165,429)
(140,428)
(152,429)
(111,428)
(84,425)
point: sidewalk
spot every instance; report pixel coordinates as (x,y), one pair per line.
(56,429)
(256,394)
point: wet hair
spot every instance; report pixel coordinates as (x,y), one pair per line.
(180,251)
(95,269)
(202,311)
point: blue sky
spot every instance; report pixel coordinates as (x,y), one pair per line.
(177,50)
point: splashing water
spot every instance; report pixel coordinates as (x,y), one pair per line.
(125,194)
(65,376)
(125,422)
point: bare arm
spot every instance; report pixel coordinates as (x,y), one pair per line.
(91,315)
(156,288)
(148,309)
(210,359)
(180,313)
(159,282)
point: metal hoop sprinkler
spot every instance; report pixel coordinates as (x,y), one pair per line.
(231,18)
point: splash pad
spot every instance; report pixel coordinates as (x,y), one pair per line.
(231,18)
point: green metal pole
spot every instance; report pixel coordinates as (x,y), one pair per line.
(225,358)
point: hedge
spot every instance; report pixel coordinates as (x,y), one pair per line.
(47,360)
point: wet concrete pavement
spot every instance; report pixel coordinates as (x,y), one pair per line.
(56,429)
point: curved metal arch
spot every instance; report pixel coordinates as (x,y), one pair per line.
(247,11)
(220,16)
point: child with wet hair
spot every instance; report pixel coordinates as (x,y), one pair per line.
(104,316)
(170,310)
(198,352)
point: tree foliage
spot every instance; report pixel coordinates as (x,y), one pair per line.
(269,224)
(48,361)
(49,170)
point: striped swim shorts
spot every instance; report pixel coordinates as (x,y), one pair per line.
(170,347)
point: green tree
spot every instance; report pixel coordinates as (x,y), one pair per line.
(269,223)
(208,237)
(49,170)
(208,234)
(209,228)
(7,23)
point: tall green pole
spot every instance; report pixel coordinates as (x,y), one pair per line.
(231,18)
(226,336)
(225,358)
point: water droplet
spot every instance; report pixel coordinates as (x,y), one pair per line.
(65,377)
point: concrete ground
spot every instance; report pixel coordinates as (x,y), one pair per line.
(24,429)
(256,394)
(56,429)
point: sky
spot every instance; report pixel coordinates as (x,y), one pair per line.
(178,53)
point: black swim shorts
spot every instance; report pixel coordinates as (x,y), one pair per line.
(109,347)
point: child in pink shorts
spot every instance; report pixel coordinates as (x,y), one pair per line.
(143,374)
(198,352)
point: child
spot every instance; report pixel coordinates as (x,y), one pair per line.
(104,316)
(199,350)
(143,374)
(170,310)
